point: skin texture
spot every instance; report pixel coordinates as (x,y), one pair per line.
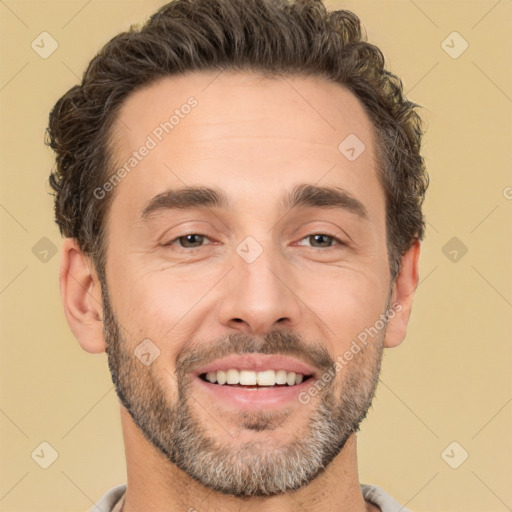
(256,138)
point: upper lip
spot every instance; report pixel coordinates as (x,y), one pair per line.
(257,363)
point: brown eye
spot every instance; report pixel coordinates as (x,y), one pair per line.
(189,241)
(321,240)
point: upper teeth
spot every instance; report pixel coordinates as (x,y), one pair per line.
(250,378)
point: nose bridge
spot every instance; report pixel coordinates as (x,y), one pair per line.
(259,296)
(260,278)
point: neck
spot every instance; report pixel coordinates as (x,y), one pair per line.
(155,485)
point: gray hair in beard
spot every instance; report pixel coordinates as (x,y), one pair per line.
(261,467)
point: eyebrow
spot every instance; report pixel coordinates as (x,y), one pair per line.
(305,195)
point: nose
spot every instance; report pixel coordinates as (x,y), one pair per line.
(259,296)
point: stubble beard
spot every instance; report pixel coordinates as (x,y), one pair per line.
(262,467)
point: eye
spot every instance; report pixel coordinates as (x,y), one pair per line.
(189,241)
(321,240)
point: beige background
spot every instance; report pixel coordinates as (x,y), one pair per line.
(450,381)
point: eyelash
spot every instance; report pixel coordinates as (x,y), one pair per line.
(335,239)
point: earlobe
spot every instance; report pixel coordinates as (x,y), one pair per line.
(81,297)
(404,287)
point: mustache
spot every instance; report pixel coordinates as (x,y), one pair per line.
(274,342)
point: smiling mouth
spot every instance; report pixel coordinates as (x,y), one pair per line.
(252,379)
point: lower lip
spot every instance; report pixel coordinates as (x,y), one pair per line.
(263,397)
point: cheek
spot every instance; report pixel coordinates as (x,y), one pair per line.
(346,305)
(157,305)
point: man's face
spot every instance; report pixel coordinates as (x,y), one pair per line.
(257,281)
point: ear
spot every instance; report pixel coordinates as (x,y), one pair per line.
(81,296)
(404,287)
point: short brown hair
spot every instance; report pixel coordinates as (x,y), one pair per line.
(268,36)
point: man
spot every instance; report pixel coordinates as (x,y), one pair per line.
(240,188)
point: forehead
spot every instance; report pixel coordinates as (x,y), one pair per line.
(248,133)
(248,99)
